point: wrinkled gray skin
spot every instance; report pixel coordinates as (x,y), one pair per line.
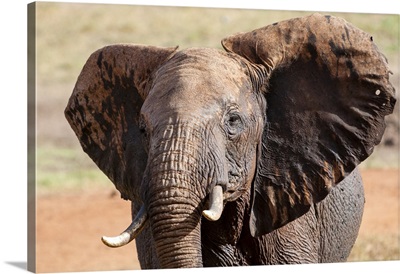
(325,234)
(280,121)
(196,135)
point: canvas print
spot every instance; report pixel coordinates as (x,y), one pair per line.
(178,137)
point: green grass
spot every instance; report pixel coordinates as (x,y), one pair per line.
(67,33)
(376,248)
(66,169)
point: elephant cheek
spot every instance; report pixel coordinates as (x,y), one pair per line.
(252,169)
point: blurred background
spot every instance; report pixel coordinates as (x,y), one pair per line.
(77,204)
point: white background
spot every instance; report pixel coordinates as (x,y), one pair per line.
(13,125)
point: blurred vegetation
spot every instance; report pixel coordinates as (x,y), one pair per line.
(68,33)
(66,169)
(376,247)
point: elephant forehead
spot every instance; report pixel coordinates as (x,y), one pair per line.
(199,80)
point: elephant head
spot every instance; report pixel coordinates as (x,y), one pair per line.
(278,119)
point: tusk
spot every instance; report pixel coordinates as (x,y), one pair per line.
(216,204)
(130,233)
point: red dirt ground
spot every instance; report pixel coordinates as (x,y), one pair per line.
(69,226)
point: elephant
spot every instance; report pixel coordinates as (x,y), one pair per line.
(246,155)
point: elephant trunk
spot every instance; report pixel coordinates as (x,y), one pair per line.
(174,196)
(175,218)
(175,226)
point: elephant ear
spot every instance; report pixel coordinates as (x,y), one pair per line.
(104,110)
(328,93)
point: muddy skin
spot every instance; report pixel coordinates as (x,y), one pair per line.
(273,128)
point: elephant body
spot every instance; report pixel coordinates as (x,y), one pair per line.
(245,156)
(324,234)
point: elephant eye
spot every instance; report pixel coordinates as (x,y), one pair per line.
(142,126)
(234,124)
(143,133)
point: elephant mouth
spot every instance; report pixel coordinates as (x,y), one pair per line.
(235,187)
(216,206)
